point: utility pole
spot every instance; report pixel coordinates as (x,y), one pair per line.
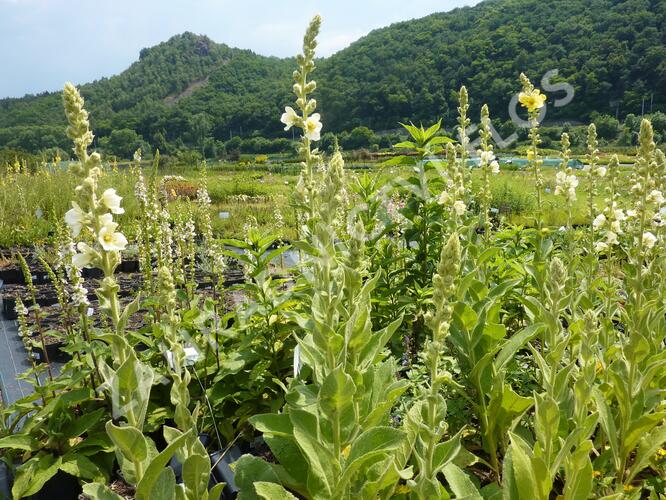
(643,107)
(651,100)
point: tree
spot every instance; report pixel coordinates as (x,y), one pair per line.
(123,143)
(608,127)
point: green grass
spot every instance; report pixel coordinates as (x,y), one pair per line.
(249,194)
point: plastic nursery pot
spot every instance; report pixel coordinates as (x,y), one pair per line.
(129,266)
(53,351)
(9,308)
(92,273)
(12,276)
(62,486)
(220,470)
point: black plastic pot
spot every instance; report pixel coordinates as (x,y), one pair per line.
(9,308)
(54,352)
(129,266)
(12,276)
(62,486)
(92,273)
(222,473)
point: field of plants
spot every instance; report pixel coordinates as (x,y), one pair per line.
(420,329)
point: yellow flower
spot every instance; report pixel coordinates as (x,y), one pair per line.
(346,450)
(629,487)
(533,100)
(596,473)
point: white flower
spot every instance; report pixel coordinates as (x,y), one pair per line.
(656,196)
(445,198)
(600,172)
(486,156)
(566,184)
(313,127)
(631,213)
(75,218)
(80,296)
(494,167)
(611,238)
(112,201)
(615,227)
(599,221)
(289,117)
(600,247)
(85,256)
(109,239)
(649,240)
(459,207)
(619,215)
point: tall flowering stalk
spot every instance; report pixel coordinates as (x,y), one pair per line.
(533,100)
(644,182)
(454,194)
(489,165)
(36,311)
(565,180)
(432,455)
(463,138)
(307,120)
(93,211)
(593,171)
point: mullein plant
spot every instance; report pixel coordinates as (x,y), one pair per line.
(463,138)
(432,455)
(127,381)
(593,172)
(192,454)
(566,182)
(336,424)
(533,100)
(630,403)
(36,312)
(489,166)
(562,429)
(307,120)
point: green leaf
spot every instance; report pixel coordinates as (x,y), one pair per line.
(129,441)
(164,488)
(20,442)
(272,491)
(524,474)
(81,466)
(336,400)
(647,447)
(98,491)
(371,446)
(578,480)
(446,452)
(250,470)
(196,475)
(154,471)
(81,424)
(316,451)
(33,475)
(607,424)
(512,345)
(460,483)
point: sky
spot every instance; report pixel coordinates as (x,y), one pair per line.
(44,43)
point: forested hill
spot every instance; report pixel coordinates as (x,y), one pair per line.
(190,89)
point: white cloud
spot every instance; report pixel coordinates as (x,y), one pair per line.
(331,43)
